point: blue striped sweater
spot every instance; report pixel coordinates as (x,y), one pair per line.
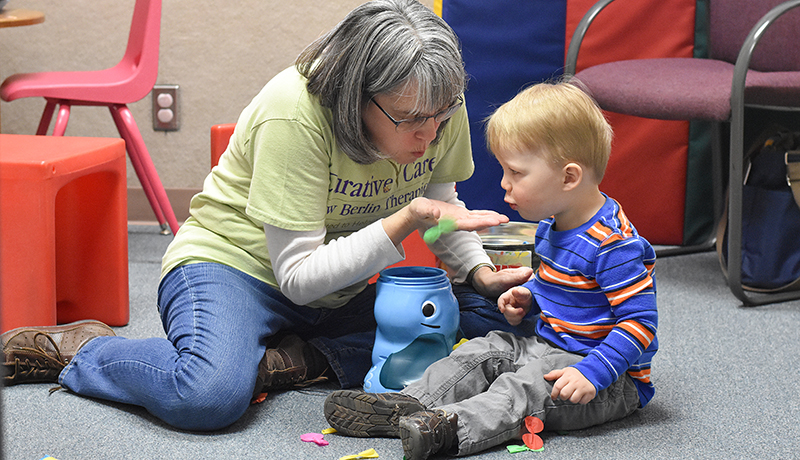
(595,294)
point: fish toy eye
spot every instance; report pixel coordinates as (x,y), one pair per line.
(428,309)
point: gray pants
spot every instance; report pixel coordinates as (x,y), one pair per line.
(492,383)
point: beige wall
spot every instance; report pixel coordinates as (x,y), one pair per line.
(219,53)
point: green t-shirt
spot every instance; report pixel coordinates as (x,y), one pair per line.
(284,168)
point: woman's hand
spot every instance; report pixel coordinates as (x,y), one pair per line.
(468,219)
(423,213)
(491,284)
(515,303)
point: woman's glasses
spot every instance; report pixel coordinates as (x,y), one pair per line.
(413,124)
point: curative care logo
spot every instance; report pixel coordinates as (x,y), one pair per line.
(377,194)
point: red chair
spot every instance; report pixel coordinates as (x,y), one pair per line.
(220,136)
(127,82)
(417,252)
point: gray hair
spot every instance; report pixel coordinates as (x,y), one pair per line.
(382,46)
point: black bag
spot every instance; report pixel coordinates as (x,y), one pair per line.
(770,214)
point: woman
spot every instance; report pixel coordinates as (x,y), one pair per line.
(330,167)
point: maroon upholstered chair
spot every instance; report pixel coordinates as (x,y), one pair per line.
(754,61)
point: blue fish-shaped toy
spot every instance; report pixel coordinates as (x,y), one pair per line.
(418,319)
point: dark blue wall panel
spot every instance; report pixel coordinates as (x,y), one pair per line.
(507,45)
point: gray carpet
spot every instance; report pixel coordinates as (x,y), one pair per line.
(726,387)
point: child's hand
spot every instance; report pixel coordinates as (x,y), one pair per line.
(571,386)
(514,304)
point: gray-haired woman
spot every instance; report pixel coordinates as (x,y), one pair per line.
(330,167)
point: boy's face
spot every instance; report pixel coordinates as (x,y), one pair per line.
(533,184)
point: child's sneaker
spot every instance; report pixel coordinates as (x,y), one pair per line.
(428,432)
(355,413)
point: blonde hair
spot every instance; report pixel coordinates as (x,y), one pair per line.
(558,119)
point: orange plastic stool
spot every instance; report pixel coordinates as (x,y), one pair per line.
(63,231)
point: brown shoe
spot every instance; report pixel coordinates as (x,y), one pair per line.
(38,354)
(428,432)
(366,415)
(291,364)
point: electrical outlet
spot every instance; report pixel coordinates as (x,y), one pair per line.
(165,108)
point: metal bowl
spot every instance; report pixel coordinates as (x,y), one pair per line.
(519,232)
(511,244)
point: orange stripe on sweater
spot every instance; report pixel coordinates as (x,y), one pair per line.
(621,295)
(641,333)
(624,223)
(598,232)
(592,331)
(548,273)
(641,375)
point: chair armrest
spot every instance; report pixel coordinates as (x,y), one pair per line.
(580,32)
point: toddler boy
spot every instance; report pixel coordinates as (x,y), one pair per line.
(594,294)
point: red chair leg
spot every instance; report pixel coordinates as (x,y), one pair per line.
(62,118)
(141,173)
(47,115)
(137,166)
(137,150)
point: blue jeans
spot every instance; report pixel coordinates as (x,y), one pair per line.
(218,321)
